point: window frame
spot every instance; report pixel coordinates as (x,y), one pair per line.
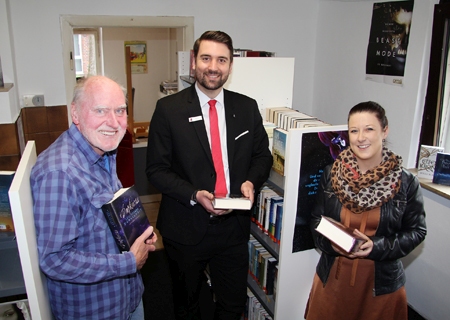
(432,113)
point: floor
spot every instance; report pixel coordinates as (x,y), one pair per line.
(157,296)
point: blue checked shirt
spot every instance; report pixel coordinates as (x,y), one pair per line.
(87,276)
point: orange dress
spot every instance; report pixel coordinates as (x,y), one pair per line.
(349,291)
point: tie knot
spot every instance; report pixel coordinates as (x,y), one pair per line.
(212,103)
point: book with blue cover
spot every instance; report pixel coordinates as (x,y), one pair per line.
(279,150)
(442,169)
(126,217)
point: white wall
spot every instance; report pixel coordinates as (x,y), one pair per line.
(37,36)
(427,272)
(158,64)
(9,107)
(339,76)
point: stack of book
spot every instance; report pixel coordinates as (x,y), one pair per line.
(287,118)
(168,87)
(261,266)
(252,53)
(268,213)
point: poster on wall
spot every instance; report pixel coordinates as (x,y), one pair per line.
(388,42)
(138,55)
(318,149)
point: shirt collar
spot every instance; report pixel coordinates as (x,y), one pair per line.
(203,98)
(84,146)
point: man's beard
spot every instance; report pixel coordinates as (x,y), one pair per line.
(201,78)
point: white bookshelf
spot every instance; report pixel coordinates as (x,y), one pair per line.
(295,269)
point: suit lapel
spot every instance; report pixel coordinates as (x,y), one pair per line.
(231,128)
(195,110)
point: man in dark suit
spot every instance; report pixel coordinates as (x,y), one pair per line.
(180,164)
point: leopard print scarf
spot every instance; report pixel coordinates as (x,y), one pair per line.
(360,192)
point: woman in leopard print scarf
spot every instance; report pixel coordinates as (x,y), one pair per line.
(366,189)
(359,191)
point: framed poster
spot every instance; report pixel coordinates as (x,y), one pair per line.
(388,41)
(138,50)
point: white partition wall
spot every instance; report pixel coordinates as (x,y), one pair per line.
(270,81)
(22,211)
(295,269)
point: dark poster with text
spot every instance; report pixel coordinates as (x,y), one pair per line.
(318,150)
(388,42)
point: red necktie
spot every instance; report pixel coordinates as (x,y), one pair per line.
(216,150)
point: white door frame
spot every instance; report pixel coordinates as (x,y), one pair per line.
(185,38)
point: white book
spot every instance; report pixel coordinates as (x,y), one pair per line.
(235,202)
(427,161)
(339,234)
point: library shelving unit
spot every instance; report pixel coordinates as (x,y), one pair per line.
(296,255)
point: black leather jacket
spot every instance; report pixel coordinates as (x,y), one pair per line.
(401,229)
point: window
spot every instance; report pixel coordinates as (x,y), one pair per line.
(435,122)
(85,51)
(77,57)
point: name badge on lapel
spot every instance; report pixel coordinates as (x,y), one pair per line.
(194,119)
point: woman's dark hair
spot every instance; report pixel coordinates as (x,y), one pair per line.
(216,36)
(372,107)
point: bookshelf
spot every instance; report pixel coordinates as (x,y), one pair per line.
(297,258)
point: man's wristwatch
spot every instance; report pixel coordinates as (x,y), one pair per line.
(194,198)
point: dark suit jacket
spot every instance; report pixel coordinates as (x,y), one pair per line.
(179,159)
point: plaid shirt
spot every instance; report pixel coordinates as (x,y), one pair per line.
(87,276)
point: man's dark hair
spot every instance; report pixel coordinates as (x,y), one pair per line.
(216,36)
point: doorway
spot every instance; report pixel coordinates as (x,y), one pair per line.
(181,28)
